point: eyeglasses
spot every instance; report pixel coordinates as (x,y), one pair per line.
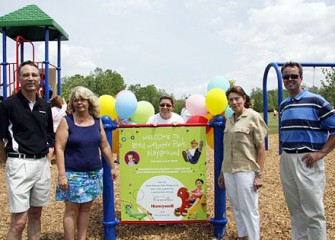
(165,105)
(292,76)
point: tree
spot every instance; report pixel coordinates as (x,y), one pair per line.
(148,93)
(256,98)
(314,89)
(70,82)
(273,100)
(328,86)
(108,82)
(99,82)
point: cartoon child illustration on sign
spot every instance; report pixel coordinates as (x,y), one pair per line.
(192,200)
(137,215)
(132,158)
(193,154)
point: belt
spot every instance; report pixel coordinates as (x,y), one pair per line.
(298,151)
(22,155)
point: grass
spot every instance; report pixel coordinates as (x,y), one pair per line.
(272,123)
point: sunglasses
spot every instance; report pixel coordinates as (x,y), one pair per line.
(165,105)
(292,76)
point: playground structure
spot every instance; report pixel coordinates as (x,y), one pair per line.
(25,26)
(276,66)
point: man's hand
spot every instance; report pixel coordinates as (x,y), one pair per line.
(311,158)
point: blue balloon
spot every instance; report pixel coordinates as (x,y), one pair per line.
(126,105)
(218,82)
(228,112)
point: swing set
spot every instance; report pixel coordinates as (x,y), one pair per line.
(276,66)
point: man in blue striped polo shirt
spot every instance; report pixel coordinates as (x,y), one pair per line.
(307,135)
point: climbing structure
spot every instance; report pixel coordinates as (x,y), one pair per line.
(26,26)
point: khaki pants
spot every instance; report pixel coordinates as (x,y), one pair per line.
(303,190)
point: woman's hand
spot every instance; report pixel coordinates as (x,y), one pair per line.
(258,182)
(113,174)
(63,183)
(221,180)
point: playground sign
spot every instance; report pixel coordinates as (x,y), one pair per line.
(163,174)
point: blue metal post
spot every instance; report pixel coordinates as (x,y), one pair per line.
(265,95)
(220,219)
(46,62)
(109,220)
(4,63)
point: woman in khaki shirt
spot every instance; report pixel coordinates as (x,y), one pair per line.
(244,155)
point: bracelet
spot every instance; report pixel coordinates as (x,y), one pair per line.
(62,178)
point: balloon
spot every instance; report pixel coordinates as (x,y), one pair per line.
(228,112)
(198,119)
(210,138)
(196,105)
(216,101)
(115,142)
(209,117)
(107,106)
(125,105)
(122,92)
(143,112)
(218,82)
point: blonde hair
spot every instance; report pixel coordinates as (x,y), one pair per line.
(85,93)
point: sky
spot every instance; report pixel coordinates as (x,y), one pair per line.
(180,45)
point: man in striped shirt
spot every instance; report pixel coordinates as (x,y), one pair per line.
(307,135)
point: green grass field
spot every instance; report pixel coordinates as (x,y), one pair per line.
(272,123)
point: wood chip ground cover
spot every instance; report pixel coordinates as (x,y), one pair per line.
(275,220)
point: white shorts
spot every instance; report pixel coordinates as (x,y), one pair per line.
(28,183)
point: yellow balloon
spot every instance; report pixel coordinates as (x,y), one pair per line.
(216,101)
(210,138)
(107,106)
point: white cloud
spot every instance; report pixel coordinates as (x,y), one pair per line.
(180,45)
(121,7)
(286,30)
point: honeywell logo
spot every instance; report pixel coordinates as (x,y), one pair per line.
(162,206)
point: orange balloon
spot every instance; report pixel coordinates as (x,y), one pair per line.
(115,142)
(210,138)
(209,117)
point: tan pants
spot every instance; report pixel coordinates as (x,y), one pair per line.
(303,190)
